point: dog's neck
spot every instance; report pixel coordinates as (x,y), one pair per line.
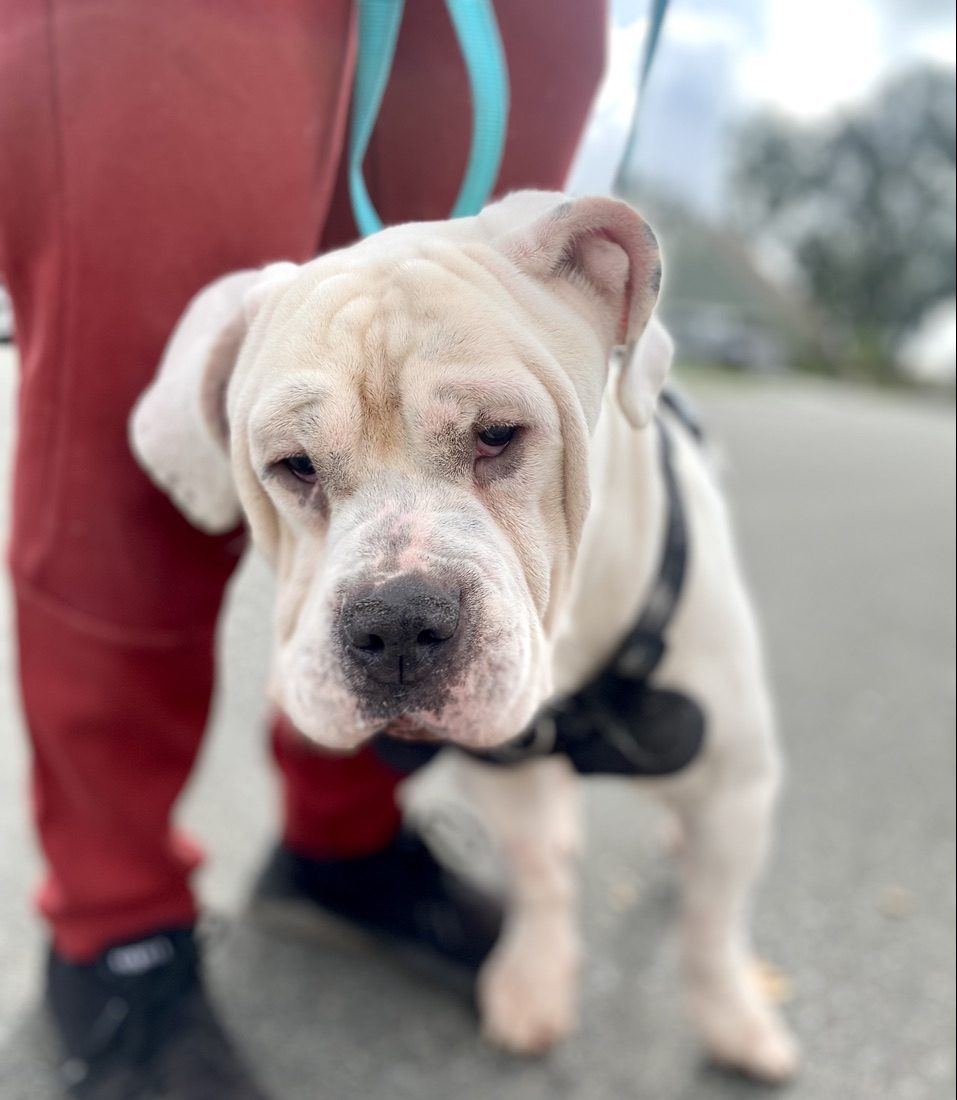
(621,543)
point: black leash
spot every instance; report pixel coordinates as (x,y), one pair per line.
(617,723)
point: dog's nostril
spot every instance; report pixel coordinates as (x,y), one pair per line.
(369,642)
(430,637)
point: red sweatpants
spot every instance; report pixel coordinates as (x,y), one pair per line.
(145,149)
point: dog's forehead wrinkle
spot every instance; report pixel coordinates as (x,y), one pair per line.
(428,297)
(298,396)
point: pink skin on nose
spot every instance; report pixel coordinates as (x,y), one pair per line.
(418,530)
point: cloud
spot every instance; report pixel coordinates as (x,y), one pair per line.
(717,63)
(937,45)
(816,56)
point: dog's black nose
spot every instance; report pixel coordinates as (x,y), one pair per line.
(400,631)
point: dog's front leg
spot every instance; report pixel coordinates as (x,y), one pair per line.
(528,987)
(726,817)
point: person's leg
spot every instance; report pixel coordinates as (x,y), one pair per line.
(146,150)
(333,806)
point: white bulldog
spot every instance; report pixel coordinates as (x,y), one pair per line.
(465,519)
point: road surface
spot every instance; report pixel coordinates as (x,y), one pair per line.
(845,508)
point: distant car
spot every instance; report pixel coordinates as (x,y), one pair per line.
(715,335)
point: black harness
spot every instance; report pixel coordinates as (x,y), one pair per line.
(617,723)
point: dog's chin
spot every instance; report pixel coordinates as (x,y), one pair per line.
(343,725)
(478,729)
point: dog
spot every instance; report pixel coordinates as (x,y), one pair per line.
(461,497)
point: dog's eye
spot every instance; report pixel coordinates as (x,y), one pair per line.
(300,466)
(491,441)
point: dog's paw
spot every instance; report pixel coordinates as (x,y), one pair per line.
(528,993)
(750,1038)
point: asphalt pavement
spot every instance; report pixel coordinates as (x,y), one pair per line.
(845,508)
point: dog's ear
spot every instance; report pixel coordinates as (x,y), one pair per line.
(178,428)
(602,248)
(642,372)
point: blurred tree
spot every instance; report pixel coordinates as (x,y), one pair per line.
(863,205)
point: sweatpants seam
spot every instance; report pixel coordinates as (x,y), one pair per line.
(103,629)
(64,287)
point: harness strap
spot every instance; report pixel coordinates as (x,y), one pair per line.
(681,407)
(481,46)
(644,647)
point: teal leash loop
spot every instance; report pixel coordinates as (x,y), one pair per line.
(481,46)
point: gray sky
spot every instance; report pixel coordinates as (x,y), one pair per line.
(717,61)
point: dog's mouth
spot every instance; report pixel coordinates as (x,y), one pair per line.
(406,728)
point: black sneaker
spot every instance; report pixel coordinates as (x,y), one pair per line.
(401,897)
(136,1025)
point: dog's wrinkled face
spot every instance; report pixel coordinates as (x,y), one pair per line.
(408,425)
(409,484)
